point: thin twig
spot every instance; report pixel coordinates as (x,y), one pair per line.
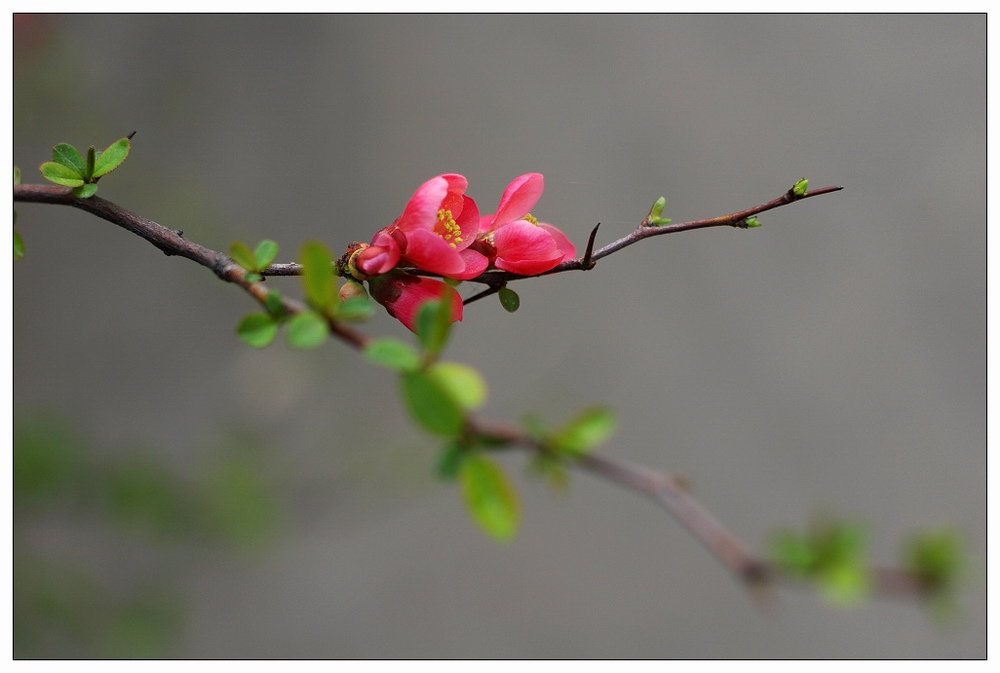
(171,242)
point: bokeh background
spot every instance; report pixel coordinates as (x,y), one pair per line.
(182,495)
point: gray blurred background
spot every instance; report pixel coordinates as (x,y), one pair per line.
(832,360)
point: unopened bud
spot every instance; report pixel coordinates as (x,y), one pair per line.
(352,289)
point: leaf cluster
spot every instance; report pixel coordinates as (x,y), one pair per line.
(831,553)
(70,168)
(304,329)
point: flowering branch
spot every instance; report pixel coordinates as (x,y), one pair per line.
(498,241)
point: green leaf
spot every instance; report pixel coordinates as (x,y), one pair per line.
(265,253)
(430,404)
(60,174)
(793,553)
(450,459)
(273,303)
(17,175)
(392,354)
(751,222)
(832,554)
(509,299)
(69,156)
(258,329)
(587,429)
(317,276)
(355,308)
(243,256)
(490,497)
(85,191)
(463,383)
(111,158)
(936,557)
(88,173)
(800,187)
(253,277)
(18,246)
(844,583)
(306,330)
(657,210)
(434,324)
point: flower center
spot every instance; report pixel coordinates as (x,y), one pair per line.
(447,228)
(530,218)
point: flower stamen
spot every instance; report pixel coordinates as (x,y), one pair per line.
(447,228)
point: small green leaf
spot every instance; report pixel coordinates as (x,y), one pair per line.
(257,329)
(69,156)
(88,173)
(17,175)
(85,191)
(111,158)
(793,553)
(430,404)
(587,429)
(845,582)
(392,354)
(265,253)
(253,277)
(61,174)
(751,222)
(273,303)
(463,383)
(434,324)
(800,187)
(355,308)
(243,256)
(657,210)
(450,459)
(18,246)
(490,497)
(509,299)
(306,330)
(937,558)
(317,276)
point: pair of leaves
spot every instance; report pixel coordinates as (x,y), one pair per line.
(655,217)
(69,168)
(254,261)
(437,395)
(832,554)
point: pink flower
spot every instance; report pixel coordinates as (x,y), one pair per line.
(514,240)
(403,294)
(433,234)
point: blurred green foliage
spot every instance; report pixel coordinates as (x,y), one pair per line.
(109,602)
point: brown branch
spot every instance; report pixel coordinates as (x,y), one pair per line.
(172,242)
(672,493)
(662,487)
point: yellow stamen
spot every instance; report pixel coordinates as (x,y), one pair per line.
(447,228)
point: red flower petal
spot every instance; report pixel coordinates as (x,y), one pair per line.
(422,208)
(518,199)
(403,294)
(429,252)
(564,244)
(525,248)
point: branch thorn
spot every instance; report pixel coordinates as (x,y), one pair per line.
(588,262)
